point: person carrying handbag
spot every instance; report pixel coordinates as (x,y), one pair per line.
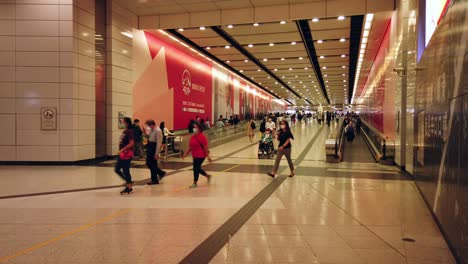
(126,152)
(198,146)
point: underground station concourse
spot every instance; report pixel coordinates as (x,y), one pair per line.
(234,131)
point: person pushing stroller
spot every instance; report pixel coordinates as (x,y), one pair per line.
(265,147)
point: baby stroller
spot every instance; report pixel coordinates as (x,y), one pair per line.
(265,150)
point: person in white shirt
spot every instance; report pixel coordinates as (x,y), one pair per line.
(219,124)
(207,123)
(155,138)
(165,134)
(270,125)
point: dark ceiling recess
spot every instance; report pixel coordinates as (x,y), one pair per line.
(251,57)
(214,58)
(354,41)
(304,29)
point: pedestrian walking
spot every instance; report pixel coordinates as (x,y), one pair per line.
(153,147)
(198,146)
(284,148)
(126,152)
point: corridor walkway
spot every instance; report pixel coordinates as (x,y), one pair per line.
(328,213)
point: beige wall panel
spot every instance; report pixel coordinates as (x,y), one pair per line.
(86,92)
(68,122)
(37,138)
(7,43)
(86,122)
(65,12)
(37,28)
(7,90)
(43,2)
(68,137)
(68,107)
(7,74)
(32,58)
(37,153)
(7,27)
(37,74)
(87,5)
(37,90)
(33,105)
(37,12)
(28,121)
(86,107)
(67,44)
(7,126)
(8,153)
(7,11)
(37,43)
(86,19)
(7,58)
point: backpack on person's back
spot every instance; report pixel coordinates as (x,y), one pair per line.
(252,125)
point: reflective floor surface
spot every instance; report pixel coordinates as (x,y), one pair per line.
(327,213)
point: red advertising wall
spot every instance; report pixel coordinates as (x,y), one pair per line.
(177,86)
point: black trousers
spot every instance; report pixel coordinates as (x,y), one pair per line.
(122,168)
(152,163)
(197,169)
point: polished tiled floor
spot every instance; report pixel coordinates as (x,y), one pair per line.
(328,213)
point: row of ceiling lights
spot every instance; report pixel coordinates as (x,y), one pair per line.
(299,58)
(271,44)
(292,43)
(282,22)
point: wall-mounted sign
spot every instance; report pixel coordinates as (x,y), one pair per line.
(122,115)
(48,118)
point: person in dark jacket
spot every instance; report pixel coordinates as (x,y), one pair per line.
(191,125)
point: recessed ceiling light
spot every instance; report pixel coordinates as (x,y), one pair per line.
(275,69)
(343,74)
(344,80)
(343,66)
(289,82)
(228,61)
(283,22)
(256,24)
(319,41)
(250,45)
(181,29)
(326,75)
(343,56)
(300,58)
(290,69)
(315,19)
(230,26)
(282,59)
(305,68)
(326,81)
(208,48)
(246,60)
(241,71)
(296,76)
(227,47)
(300,81)
(265,59)
(293,43)
(202,28)
(322,57)
(342,39)
(324,67)
(271,44)
(341,18)
(311,76)
(258,70)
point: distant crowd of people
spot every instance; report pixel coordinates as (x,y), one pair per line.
(352,126)
(148,141)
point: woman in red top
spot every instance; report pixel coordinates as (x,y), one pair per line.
(198,145)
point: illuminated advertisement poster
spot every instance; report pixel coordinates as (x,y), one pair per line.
(434,11)
(175,85)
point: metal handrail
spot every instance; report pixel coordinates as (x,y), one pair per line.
(381,147)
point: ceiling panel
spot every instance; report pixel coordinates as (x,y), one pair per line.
(285,62)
